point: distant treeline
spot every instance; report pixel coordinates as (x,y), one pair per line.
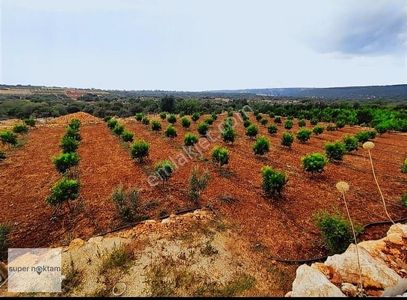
(374,113)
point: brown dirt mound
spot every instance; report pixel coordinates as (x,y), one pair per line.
(85,118)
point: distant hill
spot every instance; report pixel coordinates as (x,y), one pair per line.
(354,92)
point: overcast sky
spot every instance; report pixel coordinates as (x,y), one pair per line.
(203,44)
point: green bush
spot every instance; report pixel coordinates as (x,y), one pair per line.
(228,135)
(111,123)
(336,231)
(318,130)
(404,166)
(69,144)
(145,120)
(335,150)
(277,120)
(198,181)
(185,122)
(247,123)
(230,113)
(118,130)
(331,127)
(273,181)
(272,129)
(195,116)
(261,146)
(107,118)
(172,119)
(351,143)
(139,116)
(64,161)
(340,124)
(252,131)
(404,199)
(381,128)
(259,117)
(29,122)
(190,139)
(314,162)
(264,122)
(287,139)
(303,135)
(372,134)
(170,131)
(63,190)
(155,125)
(139,149)
(209,120)
(126,202)
(214,116)
(220,155)
(2,155)
(302,123)
(8,137)
(127,136)
(203,128)
(20,128)
(163,115)
(73,133)
(164,169)
(5,230)
(288,124)
(75,124)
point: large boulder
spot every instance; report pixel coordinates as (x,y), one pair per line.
(309,282)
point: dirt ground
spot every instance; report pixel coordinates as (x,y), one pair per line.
(281,227)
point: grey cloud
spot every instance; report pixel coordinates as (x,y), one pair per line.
(374,28)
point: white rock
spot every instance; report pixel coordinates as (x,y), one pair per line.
(310,282)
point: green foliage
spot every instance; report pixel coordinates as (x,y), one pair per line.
(259,117)
(203,128)
(75,124)
(220,155)
(277,120)
(303,135)
(107,118)
(111,123)
(5,230)
(20,128)
(145,120)
(314,122)
(63,190)
(404,199)
(2,155)
(198,181)
(252,130)
(29,122)
(155,125)
(170,131)
(302,123)
(64,161)
(318,130)
(8,137)
(288,124)
(209,120)
(331,127)
(335,150)
(172,119)
(272,129)
(127,136)
(164,169)
(364,136)
(214,116)
(230,113)
(247,123)
(139,149)
(190,139)
(273,181)
(336,231)
(261,146)
(185,122)
(69,144)
(264,122)
(168,103)
(126,202)
(314,162)
(139,116)
(404,166)
(340,123)
(118,129)
(287,139)
(163,115)
(195,116)
(228,135)
(381,128)
(351,143)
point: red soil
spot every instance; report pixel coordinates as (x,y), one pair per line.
(284,226)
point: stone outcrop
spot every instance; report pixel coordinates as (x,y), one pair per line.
(383,264)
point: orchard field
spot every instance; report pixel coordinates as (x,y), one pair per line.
(283,223)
